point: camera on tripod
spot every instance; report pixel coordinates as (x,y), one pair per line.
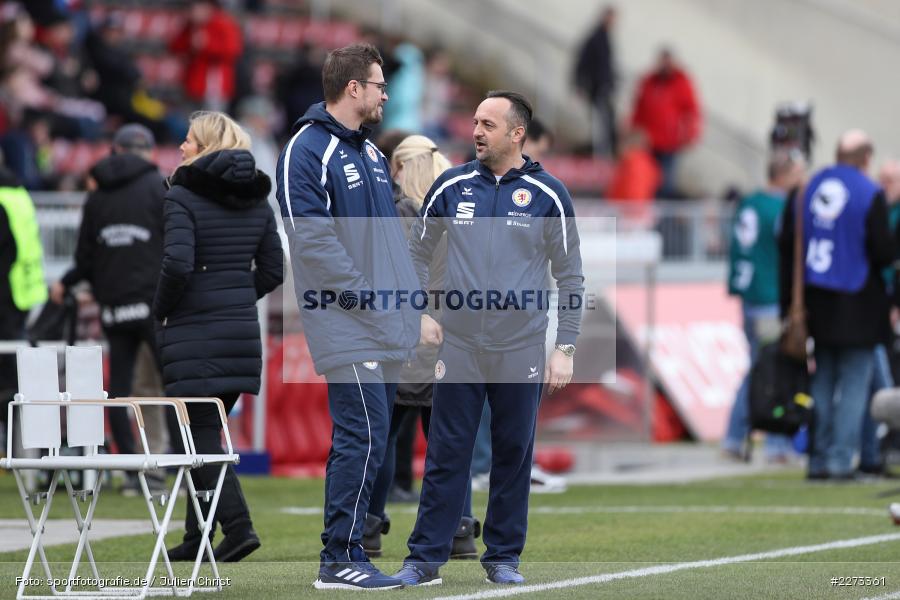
(793,128)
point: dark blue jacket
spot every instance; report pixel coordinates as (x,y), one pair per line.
(217,226)
(501,236)
(335,193)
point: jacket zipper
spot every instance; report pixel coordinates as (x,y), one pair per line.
(490,253)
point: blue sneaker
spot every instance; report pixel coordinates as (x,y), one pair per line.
(506,574)
(412,575)
(354,576)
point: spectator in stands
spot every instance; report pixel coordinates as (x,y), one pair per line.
(211,44)
(21,277)
(119,252)
(24,68)
(439,90)
(221,254)
(27,150)
(407,86)
(596,79)
(845,228)
(121,90)
(329,170)
(753,277)
(415,164)
(300,86)
(666,107)
(636,176)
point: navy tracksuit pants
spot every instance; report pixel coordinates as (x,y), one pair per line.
(511,382)
(360,399)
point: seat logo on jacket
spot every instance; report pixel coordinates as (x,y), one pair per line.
(351,174)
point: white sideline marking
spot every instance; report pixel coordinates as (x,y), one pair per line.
(665,569)
(893,596)
(579,510)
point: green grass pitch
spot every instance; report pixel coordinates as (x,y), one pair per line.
(587,531)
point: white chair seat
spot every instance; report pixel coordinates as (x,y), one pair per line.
(125,462)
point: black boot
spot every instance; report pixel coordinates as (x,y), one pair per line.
(373,528)
(464,539)
(186,551)
(236,546)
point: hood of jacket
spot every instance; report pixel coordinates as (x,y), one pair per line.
(117,170)
(317,114)
(229,177)
(529,168)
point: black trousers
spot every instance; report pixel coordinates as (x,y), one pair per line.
(125,340)
(232,511)
(12,327)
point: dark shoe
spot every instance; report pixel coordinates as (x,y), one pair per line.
(400,496)
(186,551)
(373,529)
(464,539)
(817,475)
(236,547)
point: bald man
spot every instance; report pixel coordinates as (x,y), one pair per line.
(847,243)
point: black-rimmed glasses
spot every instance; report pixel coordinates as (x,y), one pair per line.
(381,85)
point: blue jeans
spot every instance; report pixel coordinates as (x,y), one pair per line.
(869,456)
(755,317)
(840,388)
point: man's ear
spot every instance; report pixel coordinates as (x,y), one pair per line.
(518,135)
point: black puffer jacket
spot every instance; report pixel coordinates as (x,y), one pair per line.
(217,224)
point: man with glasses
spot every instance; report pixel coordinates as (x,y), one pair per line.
(334,189)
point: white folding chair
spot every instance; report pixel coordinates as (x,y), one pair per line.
(86,366)
(39,403)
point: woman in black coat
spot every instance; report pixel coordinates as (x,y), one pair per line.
(221,254)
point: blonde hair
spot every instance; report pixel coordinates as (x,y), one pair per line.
(214,131)
(422,163)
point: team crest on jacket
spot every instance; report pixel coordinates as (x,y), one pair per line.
(371,152)
(521,197)
(439,370)
(371,364)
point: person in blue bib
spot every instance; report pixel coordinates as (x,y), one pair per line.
(753,277)
(846,243)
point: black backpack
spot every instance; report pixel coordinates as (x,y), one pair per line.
(779,392)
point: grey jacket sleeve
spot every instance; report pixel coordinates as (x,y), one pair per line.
(311,229)
(561,237)
(426,233)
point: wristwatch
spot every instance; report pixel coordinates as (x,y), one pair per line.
(566,349)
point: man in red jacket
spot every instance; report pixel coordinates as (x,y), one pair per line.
(211,43)
(667,109)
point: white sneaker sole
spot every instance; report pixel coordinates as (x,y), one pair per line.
(321,585)
(438,581)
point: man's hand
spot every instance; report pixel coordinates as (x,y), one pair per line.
(559,370)
(432,334)
(57,292)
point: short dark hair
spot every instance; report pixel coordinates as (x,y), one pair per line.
(344,65)
(537,130)
(520,111)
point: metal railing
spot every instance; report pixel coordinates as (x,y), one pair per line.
(694,231)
